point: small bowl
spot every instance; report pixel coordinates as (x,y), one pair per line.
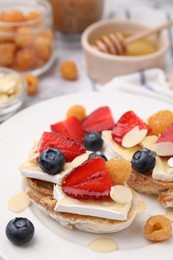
(102,67)
(12,105)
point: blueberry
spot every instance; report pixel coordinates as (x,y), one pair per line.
(143,160)
(20,231)
(51,161)
(93,141)
(97,154)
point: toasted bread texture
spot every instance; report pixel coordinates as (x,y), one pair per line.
(41,193)
(146,184)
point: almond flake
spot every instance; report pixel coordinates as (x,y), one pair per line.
(121,194)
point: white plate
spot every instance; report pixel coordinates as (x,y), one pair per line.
(52,241)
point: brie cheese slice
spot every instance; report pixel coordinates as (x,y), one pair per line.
(162,171)
(103,209)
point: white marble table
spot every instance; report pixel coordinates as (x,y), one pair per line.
(52,84)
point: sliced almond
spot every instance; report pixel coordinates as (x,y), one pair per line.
(19,202)
(170,162)
(163,148)
(149,141)
(134,137)
(121,194)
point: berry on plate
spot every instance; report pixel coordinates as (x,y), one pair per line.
(159,122)
(97,154)
(97,121)
(20,231)
(89,180)
(130,128)
(164,144)
(76,110)
(51,161)
(143,160)
(93,141)
(71,128)
(119,170)
(70,148)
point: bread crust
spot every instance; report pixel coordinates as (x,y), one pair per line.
(146,184)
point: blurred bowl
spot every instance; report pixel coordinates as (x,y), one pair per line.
(11,102)
(102,67)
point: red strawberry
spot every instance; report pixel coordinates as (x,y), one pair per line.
(89,180)
(99,120)
(67,146)
(164,144)
(167,135)
(71,127)
(126,123)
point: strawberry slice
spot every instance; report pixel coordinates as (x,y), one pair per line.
(67,146)
(90,180)
(71,127)
(127,122)
(99,120)
(164,143)
(167,135)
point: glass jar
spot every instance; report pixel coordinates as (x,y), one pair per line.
(73,16)
(26,36)
(12,92)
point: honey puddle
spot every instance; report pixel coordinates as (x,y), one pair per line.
(103,245)
(18,202)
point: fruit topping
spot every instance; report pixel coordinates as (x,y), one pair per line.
(20,231)
(51,161)
(125,124)
(143,160)
(121,194)
(119,170)
(158,228)
(70,148)
(71,128)
(90,180)
(78,111)
(164,144)
(93,141)
(133,137)
(97,154)
(159,121)
(99,120)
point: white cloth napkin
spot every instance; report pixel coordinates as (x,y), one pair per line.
(153,84)
(150,82)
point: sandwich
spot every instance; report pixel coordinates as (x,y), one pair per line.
(70,179)
(149,147)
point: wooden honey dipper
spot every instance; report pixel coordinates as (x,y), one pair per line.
(115,43)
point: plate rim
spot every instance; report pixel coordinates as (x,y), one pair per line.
(44,103)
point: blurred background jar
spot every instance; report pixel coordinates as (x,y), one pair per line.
(73,16)
(26,35)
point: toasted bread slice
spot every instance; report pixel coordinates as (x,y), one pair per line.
(166,198)
(41,193)
(146,184)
